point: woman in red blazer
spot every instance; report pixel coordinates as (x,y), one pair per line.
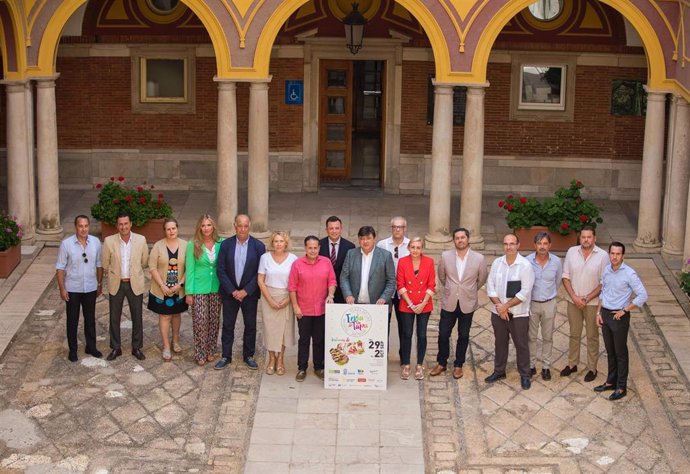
(416,285)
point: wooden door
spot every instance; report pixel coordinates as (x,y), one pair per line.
(335,120)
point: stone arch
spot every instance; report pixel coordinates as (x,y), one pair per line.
(656,65)
(14,57)
(417,8)
(50,38)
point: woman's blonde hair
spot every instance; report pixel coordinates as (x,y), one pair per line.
(416,239)
(282,234)
(198,236)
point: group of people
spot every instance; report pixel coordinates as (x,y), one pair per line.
(209,274)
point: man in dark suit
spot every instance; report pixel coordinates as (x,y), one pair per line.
(238,265)
(368,273)
(335,248)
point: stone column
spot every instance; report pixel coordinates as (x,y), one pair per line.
(441,153)
(473,166)
(258,178)
(677,187)
(226,179)
(48,225)
(648,226)
(20,183)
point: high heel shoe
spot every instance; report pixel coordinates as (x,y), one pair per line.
(419,373)
(271,368)
(405,373)
(280,370)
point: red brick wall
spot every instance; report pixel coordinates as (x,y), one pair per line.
(595,133)
(94,109)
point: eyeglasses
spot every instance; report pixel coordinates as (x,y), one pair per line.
(398,227)
(86,260)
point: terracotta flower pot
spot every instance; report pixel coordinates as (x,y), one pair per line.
(559,242)
(9,259)
(152,230)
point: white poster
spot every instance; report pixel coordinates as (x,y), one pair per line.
(356,346)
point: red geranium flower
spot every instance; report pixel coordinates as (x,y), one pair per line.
(99,185)
(510,196)
(142,200)
(565,226)
(160,195)
(140,188)
(523,200)
(121,178)
(116,200)
(509,207)
(112,178)
(500,203)
(128,198)
(583,218)
(579,183)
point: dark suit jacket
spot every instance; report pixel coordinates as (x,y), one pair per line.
(226,268)
(381,275)
(325,250)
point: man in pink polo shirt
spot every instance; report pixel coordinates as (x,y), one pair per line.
(311,285)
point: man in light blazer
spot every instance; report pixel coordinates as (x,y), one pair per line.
(335,248)
(462,272)
(368,274)
(237,267)
(124,257)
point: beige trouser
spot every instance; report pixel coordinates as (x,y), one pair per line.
(576,317)
(542,315)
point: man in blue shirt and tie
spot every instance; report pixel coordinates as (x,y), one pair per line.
(618,284)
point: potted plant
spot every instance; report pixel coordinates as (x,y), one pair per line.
(563,215)
(10,244)
(147,211)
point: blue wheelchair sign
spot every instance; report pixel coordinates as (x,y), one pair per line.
(294,92)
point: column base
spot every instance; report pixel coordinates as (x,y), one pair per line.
(262,236)
(647,247)
(477,242)
(671,252)
(50,235)
(437,241)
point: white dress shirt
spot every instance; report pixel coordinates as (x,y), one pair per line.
(363,296)
(125,257)
(499,276)
(460,263)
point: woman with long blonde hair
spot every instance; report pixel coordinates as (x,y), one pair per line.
(276,311)
(202,288)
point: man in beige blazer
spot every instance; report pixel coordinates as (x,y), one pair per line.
(124,257)
(462,272)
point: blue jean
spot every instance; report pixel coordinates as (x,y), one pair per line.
(407,323)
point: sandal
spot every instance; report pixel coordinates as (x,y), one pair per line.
(271,368)
(280,370)
(176,347)
(167,356)
(419,373)
(201,362)
(405,374)
(211,357)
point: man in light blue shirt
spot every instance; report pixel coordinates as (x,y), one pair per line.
(547,278)
(618,284)
(79,275)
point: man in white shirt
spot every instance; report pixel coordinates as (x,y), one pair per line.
(582,271)
(124,257)
(397,244)
(509,288)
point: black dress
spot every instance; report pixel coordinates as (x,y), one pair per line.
(169,304)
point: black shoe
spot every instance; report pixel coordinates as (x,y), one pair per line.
(222,363)
(301,375)
(590,376)
(494,377)
(138,354)
(545,374)
(603,388)
(94,352)
(114,354)
(568,370)
(618,394)
(533,371)
(251,363)
(526,382)
(73,357)
(319,373)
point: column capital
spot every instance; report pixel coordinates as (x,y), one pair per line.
(260,84)
(225,85)
(16,86)
(478,90)
(655,95)
(679,100)
(443,88)
(46,81)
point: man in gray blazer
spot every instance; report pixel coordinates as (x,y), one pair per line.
(462,273)
(368,274)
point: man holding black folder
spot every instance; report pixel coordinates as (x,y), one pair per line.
(509,288)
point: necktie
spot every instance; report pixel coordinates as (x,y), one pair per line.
(333,256)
